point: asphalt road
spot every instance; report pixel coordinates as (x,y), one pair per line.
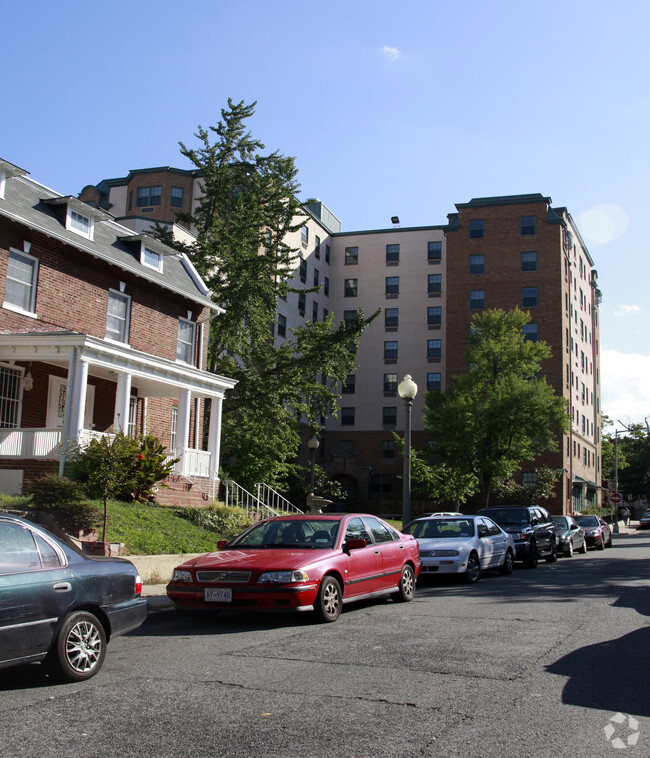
(547,662)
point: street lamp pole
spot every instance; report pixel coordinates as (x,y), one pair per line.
(407,390)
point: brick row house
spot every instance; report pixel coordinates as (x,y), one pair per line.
(101,329)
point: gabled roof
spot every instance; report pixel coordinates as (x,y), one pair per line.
(38,207)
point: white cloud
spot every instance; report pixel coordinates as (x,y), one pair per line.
(627,310)
(392,53)
(603,223)
(625,386)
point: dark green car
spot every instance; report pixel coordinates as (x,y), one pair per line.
(570,536)
(60,606)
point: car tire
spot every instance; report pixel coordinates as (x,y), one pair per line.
(583,548)
(569,550)
(329,601)
(601,544)
(508,563)
(80,648)
(609,541)
(532,559)
(406,587)
(552,558)
(473,570)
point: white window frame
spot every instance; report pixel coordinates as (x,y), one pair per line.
(70,221)
(115,295)
(144,251)
(187,347)
(12,405)
(3,182)
(32,285)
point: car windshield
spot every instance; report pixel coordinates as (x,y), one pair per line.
(509,516)
(289,533)
(440,528)
(560,522)
(588,520)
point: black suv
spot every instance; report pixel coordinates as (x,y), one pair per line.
(532,529)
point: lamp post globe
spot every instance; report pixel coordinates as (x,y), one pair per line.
(407,390)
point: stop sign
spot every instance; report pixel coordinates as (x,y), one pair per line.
(615,498)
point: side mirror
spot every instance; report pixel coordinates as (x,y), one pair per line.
(355,543)
(221,544)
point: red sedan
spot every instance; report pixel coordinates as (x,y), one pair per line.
(301,563)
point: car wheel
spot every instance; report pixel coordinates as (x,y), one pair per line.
(329,601)
(532,559)
(609,541)
(601,544)
(473,570)
(508,563)
(583,548)
(406,587)
(569,550)
(80,648)
(552,558)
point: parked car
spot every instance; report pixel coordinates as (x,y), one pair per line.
(297,563)
(531,528)
(441,513)
(463,545)
(644,521)
(570,536)
(597,531)
(59,606)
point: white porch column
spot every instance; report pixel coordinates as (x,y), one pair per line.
(214,436)
(183,425)
(76,399)
(122,398)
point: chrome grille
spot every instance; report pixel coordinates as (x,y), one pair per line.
(223,576)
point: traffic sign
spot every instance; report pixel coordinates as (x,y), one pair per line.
(615,497)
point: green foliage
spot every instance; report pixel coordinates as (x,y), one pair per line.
(227,521)
(543,488)
(65,500)
(634,460)
(150,468)
(248,209)
(500,413)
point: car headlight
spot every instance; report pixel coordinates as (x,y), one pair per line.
(443,553)
(564,538)
(592,532)
(182,576)
(284,577)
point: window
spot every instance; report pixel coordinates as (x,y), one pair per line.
(282,325)
(3,182)
(185,341)
(316,278)
(527,225)
(391,317)
(434,251)
(174,427)
(381,484)
(132,426)
(303,270)
(388,449)
(348,385)
(148,196)
(347,416)
(79,223)
(317,247)
(434,348)
(314,311)
(392,253)
(351,256)
(302,303)
(390,382)
(433,382)
(434,315)
(24,555)
(530,332)
(389,415)
(477,299)
(434,283)
(304,236)
(117,316)
(151,258)
(350,287)
(476,264)
(326,287)
(528,477)
(325,314)
(390,350)
(476,230)
(177,197)
(528,297)
(349,316)
(529,261)
(392,285)
(22,274)
(327,253)
(10,394)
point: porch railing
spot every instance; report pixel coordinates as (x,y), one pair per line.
(236,495)
(31,443)
(275,500)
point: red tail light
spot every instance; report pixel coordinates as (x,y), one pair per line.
(138,585)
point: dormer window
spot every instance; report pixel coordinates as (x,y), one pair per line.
(3,181)
(80,217)
(8,170)
(151,258)
(77,222)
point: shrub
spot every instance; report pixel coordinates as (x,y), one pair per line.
(64,500)
(227,521)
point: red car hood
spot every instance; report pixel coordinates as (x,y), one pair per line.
(264,558)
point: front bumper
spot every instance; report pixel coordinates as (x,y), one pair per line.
(275,597)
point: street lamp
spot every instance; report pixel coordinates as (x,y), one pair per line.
(313,445)
(407,390)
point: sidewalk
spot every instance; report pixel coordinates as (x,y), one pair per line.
(157,599)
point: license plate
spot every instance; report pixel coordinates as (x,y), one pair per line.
(214,595)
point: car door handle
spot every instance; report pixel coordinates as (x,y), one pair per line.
(62,587)
(376,552)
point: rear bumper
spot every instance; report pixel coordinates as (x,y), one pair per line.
(126,616)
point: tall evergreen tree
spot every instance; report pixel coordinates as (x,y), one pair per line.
(247,211)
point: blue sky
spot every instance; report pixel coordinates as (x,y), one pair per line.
(389,108)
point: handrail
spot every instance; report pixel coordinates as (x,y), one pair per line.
(238,496)
(275,500)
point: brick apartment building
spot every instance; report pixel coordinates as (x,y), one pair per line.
(492,252)
(101,329)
